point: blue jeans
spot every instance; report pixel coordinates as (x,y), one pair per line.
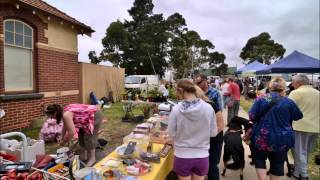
(224,101)
(215,156)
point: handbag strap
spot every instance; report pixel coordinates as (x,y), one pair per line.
(266,110)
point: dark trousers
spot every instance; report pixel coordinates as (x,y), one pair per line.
(215,156)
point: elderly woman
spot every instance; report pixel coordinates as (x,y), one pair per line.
(272,137)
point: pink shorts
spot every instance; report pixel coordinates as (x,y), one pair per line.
(187,166)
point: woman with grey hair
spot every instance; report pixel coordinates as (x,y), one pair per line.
(306,130)
(272,134)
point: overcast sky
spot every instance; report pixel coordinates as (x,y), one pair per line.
(228,24)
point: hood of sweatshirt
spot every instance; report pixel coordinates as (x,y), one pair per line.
(190,109)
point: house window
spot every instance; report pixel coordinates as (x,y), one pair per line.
(18,56)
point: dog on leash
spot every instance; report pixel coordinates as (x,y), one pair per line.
(233,147)
(233,142)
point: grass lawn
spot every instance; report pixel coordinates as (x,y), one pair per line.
(245,104)
(114,129)
(314,170)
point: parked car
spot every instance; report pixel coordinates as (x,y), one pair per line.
(142,82)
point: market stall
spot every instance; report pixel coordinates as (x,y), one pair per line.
(151,156)
(295,62)
(251,69)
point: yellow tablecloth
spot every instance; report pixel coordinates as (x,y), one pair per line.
(159,170)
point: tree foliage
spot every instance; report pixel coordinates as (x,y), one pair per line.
(262,48)
(149,43)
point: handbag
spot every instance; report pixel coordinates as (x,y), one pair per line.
(247,136)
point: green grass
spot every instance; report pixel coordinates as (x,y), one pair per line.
(314,170)
(245,104)
(114,129)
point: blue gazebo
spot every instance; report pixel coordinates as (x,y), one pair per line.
(251,68)
(295,62)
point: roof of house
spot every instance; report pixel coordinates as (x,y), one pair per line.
(48,9)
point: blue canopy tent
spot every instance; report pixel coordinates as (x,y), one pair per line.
(251,68)
(295,62)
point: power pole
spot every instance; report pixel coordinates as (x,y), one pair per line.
(151,63)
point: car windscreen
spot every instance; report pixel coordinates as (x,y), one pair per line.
(133,80)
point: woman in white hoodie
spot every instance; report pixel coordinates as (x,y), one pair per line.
(191,124)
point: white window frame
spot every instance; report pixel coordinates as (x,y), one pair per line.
(14,45)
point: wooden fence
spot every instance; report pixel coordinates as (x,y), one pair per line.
(102,80)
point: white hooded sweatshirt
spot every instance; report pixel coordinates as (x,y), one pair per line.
(191,124)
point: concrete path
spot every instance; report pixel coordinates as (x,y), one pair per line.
(249,172)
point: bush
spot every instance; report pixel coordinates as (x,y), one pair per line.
(172,93)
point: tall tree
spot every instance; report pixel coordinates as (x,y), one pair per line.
(188,51)
(138,45)
(94,58)
(149,43)
(262,48)
(115,43)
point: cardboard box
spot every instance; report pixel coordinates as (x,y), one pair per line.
(31,151)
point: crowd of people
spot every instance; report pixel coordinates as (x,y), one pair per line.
(196,126)
(280,123)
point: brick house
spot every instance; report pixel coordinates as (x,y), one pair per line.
(38,60)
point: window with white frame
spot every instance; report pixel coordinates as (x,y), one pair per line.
(18,56)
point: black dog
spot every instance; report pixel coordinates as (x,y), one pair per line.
(247,125)
(233,148)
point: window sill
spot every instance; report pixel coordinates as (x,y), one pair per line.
(15,97)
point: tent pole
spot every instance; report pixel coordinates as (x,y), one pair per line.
(257,84)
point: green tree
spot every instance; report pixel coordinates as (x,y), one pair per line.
(149,43)
(188,51)
(93,57)
(138,45)
(222,69)
(262,48)
(115,43)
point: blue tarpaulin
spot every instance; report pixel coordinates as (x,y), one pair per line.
(295,62)
(252,67)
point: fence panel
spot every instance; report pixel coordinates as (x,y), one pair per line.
(101,80)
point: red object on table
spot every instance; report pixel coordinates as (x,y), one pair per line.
(8,157)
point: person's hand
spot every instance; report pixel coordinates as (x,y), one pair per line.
(61,142)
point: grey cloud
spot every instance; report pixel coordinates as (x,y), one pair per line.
(228,23)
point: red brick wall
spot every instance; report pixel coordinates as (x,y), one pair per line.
(57,71)
(19,114)
(54,71)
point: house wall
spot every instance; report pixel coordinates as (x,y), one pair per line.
(61,36)
(56,68)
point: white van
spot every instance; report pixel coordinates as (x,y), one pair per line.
(142,82)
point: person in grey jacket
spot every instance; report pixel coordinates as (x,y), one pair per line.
(191,124)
